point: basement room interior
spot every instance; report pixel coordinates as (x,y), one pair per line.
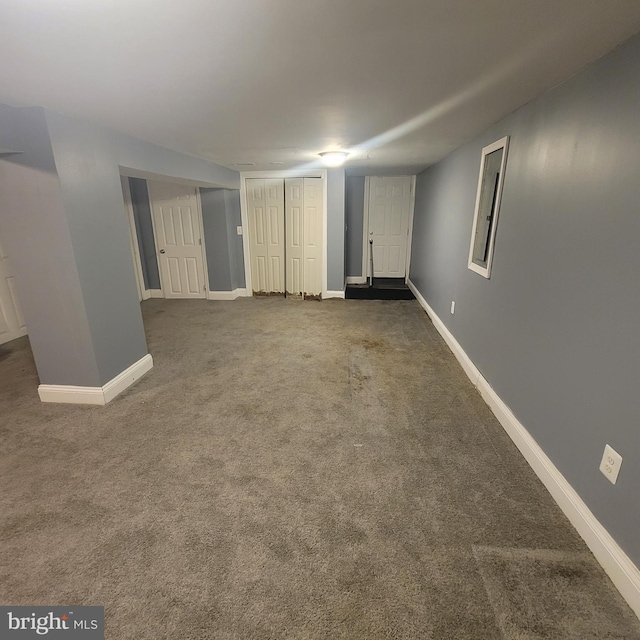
(320,320)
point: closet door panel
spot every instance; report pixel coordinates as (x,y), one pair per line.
(256,209)
(274,201)
(294,189)
(312,234)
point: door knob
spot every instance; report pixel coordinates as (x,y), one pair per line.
(161,250)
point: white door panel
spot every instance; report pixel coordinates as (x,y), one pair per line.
(178,239)
(257,235)
(12,324)
(312,232)
(389,207)
(274,195)
(294,212)
(265,206)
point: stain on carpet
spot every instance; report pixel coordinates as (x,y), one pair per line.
(548,594)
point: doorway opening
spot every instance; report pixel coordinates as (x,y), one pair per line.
(167,238)
(177,228)
(388,220)
(386,239)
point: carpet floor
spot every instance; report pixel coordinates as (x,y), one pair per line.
(292,470)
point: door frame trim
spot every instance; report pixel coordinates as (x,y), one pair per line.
(365,226)
(287,173)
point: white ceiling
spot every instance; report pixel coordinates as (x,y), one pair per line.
(399,83)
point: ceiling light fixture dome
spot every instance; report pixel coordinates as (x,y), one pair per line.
(334,158)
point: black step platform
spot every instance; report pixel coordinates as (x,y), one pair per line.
(382,289)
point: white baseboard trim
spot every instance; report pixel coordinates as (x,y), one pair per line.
(469,368)
(356,279)
(227,295)
(619,567)
(333,294)
(146,294)
(96,395)
(156,293)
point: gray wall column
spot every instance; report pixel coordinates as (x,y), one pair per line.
(236,252)
(90,183)
(37,237)
(214,220)
(335,229)
(354,214)
(221,217)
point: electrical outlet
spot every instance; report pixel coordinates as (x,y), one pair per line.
(610,465)
(239,230)
(453,307)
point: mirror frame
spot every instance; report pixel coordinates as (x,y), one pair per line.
(503,143)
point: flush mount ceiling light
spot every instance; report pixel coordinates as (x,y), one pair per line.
(334,158)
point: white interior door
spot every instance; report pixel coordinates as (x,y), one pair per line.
(265,208)
(12,324)
(312,231)
(176,223)
(389,207)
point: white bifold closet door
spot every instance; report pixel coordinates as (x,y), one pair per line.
(265,204)
(303,224)
(285,235)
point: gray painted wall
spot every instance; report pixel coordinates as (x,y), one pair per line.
(144,156)
(36,236)
(335,229)
(214,221)
(354,214)
(144,231)
(236,252)
(220,217)
(555,329)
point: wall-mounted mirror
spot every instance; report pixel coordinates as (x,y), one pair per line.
(485,217)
